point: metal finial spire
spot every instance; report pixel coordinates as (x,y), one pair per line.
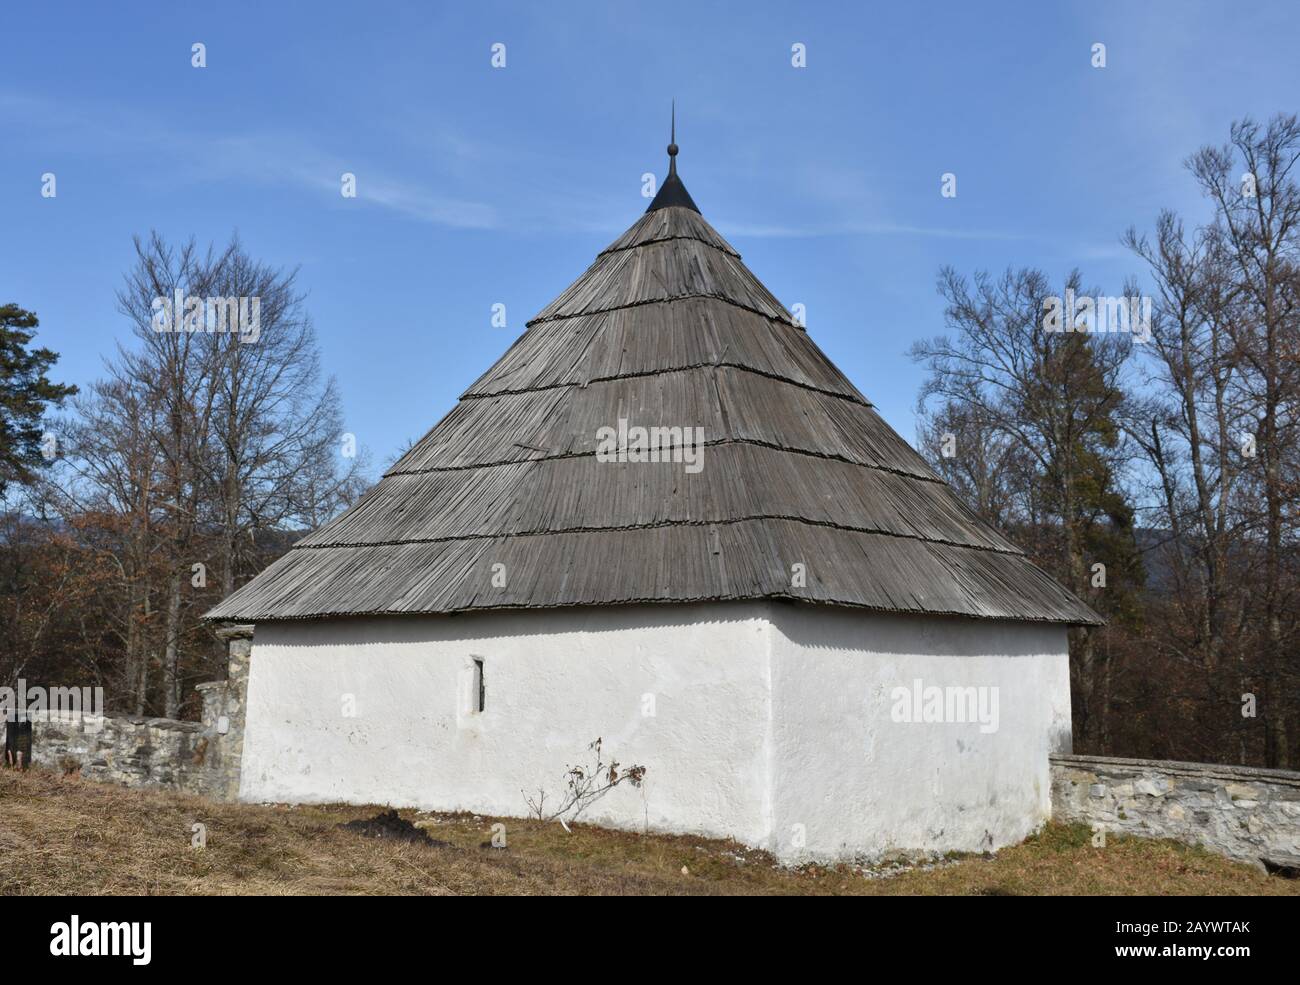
(672,143)
(672,192)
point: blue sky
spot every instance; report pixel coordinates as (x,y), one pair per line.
(479,185)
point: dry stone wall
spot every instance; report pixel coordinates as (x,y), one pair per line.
(1252,815)
(197,757)
(132,751)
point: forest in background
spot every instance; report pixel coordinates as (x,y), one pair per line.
(1156,473)
(195,461)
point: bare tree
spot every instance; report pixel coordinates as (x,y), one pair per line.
(203,435)
(277,428)
(116,466)
(1185,427)
(1258,217)
(1048,404)
(169,367)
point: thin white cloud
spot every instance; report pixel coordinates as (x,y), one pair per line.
(275,159)
(859,229)
(264,158)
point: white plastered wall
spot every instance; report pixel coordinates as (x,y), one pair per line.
(681,690)
(849,779)
(768,723)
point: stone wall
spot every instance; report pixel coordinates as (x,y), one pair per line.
(1248,814)
(200,757)
(135,752)
(223,715)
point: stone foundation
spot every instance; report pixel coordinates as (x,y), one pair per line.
(197,757)
(1252,815)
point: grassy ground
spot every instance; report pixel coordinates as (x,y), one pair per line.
(62,835)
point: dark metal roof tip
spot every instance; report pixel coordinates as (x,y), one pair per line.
(672,192)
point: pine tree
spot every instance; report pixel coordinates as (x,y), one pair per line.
(25,394)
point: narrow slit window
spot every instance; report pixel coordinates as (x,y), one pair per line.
(478,694)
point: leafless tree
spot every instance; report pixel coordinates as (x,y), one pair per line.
(1221,429)
(1035,416)
(197,440)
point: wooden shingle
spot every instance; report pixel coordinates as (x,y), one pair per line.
(504,504)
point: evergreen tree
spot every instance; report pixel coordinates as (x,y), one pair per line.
(25,393)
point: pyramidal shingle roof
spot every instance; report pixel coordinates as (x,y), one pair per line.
(505,504)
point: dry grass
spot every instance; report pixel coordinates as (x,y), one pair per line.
(65,835)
